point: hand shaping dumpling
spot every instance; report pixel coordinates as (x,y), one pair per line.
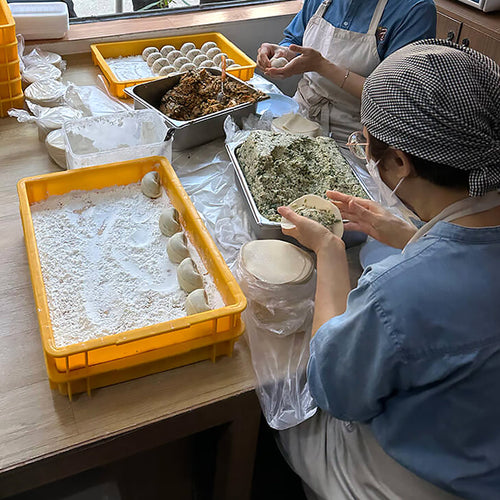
(188,277)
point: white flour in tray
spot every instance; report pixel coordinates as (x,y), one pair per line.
(129,68)
(105,265)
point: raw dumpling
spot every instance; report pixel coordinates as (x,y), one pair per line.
(207,64)
(172,56)
(188,277)
(152,58)
(207,46)
(234,66)
(193,53)
(166,70)
(199,59)
(177,250)
(187,47)
(197,302)
(148,51)
(178,63)
(211,53)
(158,64)
(187,67)
(151,185)
(217,59)
(279,62)
(166,49)
(169,221)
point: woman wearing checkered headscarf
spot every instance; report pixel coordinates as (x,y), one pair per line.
(406,367)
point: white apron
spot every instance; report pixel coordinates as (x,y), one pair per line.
(321,100)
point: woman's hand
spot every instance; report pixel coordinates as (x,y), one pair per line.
(269,50)
(310,233)
(374,220)
(309,60)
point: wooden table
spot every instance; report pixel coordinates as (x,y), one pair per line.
(44,436)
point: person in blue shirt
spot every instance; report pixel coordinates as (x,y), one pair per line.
(406,366)
(340,42)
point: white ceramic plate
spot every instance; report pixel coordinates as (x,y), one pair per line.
(278,104)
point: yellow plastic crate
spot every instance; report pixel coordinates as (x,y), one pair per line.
(8,53)
(7,24)
(16,101)
(103,51)
(131,354)
(11,88)
(9,71)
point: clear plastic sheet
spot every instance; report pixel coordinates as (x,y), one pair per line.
(279,355)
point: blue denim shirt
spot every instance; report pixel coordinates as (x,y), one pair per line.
(403,21)
(417,356)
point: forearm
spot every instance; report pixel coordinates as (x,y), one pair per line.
(333,285)
(337,75)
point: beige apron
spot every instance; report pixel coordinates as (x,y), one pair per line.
(343,461)
(321,100)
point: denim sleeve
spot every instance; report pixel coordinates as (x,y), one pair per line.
(294,32)
(418,24)
(354,361)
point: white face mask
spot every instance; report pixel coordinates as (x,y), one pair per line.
(387,198)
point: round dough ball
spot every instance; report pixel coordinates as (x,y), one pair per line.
(217,59)
(199,59)
(169,221)
(178,63)
(158,64)
(229,62)
(172,56)
(207,64)
(187,47)
(151,185)
(234,66)
(193,53)
(279,62)
(207,46)
(188,277)
(177,249)
(152,58)
(166,70)
(197,302)
(166,49)
(148,51)
(187,67)
(211,53)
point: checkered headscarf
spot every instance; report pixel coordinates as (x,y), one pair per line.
(441,102)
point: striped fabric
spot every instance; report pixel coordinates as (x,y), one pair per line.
(441,102)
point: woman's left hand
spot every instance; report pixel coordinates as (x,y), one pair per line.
(310,233)
(307,60)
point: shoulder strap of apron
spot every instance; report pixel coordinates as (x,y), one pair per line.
(461,208)
(377,16)
(320,12)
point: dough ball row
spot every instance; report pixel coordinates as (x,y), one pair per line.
(169,60)
(188,277)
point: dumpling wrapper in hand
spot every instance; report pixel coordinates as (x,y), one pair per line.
(319,208)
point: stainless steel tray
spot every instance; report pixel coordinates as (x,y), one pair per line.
(189,133)
(266,229)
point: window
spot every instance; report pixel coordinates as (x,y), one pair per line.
(88,10)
